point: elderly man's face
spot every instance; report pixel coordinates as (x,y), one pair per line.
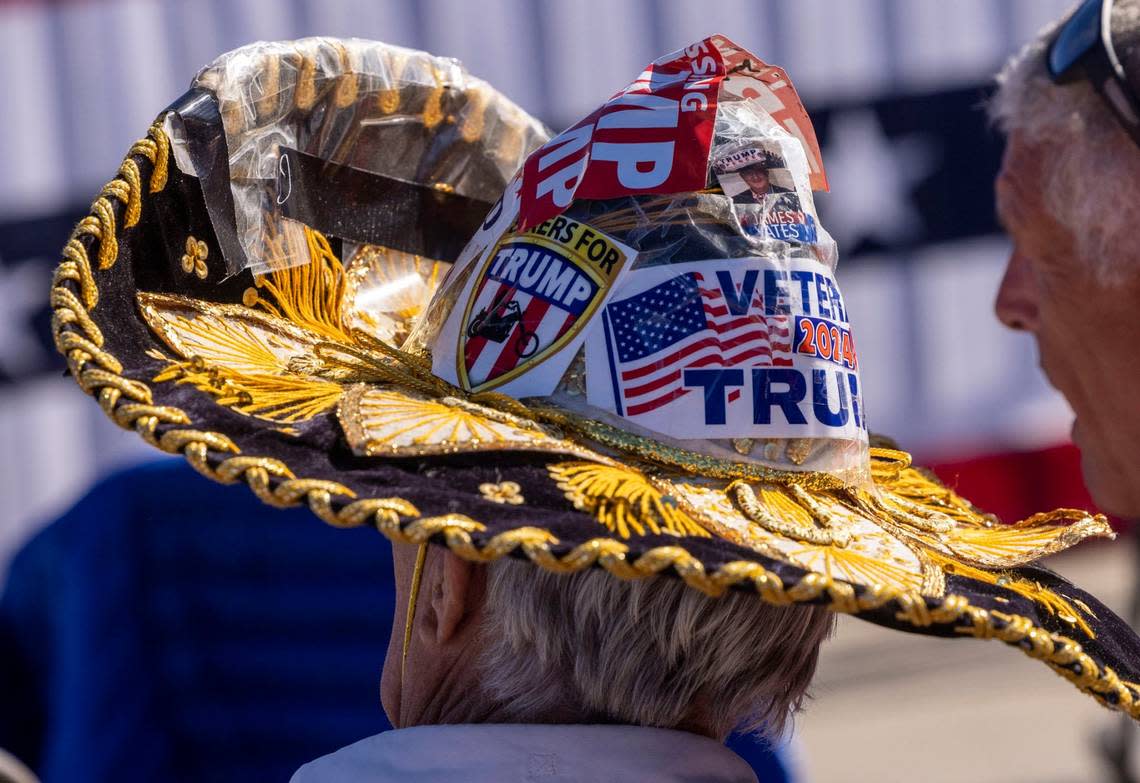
(756,178)
(1087,330)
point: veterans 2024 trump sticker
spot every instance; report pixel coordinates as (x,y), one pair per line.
(520,319)
(728,348)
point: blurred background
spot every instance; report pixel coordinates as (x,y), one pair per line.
(896,90)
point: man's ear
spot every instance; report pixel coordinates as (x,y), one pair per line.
(459,598)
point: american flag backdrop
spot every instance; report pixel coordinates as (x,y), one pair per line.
(682,323)
(893,86)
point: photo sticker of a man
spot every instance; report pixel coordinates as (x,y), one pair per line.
(761,172)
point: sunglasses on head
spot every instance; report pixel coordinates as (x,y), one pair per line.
(1082,48)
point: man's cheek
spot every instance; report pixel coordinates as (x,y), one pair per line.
(1065,330)
(1108,478)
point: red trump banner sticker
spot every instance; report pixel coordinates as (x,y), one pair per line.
(655,135)
(652,137)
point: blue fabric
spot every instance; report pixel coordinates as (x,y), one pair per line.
(769,762)
(168,628)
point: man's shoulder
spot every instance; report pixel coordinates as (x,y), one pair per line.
(489,753)
(367,759)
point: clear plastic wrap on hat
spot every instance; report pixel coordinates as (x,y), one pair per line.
(349,104)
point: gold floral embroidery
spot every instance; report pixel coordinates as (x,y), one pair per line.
(917,507)
(386,421)
(247,361)
(882,538)
(626,501)
(508,492)
(850,548)
(194,259)
(286,353)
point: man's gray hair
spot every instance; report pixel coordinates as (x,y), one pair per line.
(1091,174)
(652,652)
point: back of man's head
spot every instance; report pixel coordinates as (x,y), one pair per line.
(653,652)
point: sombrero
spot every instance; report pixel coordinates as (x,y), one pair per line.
(353,276)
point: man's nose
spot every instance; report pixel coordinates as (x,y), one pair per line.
(1016,303)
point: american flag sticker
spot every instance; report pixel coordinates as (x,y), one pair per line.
(708,349)
(529,302)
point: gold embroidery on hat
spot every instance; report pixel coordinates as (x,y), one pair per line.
(799,449)
(743,446)
(626,501)
(508,492)
(387,290)
(265,88)
(771,521)
(310,295)
(1054,603)
(920,508)
(275,356)
(776,513)
(194,259)
(246,360)
(382,421)
(388,98)
(347,82)
(305,92)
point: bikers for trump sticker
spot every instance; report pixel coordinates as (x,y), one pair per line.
(741,347)
(526,305)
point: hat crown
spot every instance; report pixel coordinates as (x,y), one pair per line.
(703,318)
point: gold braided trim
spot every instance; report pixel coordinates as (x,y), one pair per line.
(129,404)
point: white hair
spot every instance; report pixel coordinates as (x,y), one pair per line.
(652,652)
(1091,167)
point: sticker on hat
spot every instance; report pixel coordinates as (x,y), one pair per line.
(765,195)
(520,318)
(729,348)
(651,137)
